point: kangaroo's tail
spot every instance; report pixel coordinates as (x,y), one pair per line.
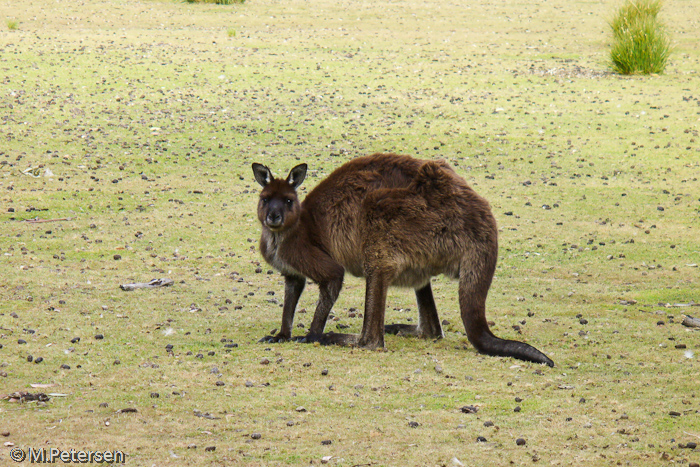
(474,282)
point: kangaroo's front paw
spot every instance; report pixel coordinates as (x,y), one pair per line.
(274,339)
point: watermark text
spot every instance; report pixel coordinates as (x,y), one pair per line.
(72,456)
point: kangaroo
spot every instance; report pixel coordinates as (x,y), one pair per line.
(396,221)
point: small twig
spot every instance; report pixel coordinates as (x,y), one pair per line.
(22,396)
(691,322)
(691,434)
(41,221)
(207,415)
(165,282)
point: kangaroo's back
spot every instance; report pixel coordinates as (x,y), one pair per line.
(354,179)
(334,205)
(387,185)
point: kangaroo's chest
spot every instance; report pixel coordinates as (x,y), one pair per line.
(271,248)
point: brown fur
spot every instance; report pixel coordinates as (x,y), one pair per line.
(394,220)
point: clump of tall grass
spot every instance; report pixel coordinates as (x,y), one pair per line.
(12,25)
(640,41)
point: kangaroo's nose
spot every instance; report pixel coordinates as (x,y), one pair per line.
(274,219)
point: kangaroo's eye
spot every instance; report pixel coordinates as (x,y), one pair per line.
(264,200)
(290,202)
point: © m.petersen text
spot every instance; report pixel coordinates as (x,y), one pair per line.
(53,455)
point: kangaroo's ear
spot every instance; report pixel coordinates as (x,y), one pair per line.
(262,174)
(297,175)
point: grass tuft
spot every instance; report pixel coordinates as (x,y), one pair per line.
(640,42)
(12,24)
(632,12)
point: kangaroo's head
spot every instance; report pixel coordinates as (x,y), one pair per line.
(279,208)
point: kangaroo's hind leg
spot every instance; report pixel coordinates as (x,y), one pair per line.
(428,326)
(372,336)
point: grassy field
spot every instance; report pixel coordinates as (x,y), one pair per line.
(141,120)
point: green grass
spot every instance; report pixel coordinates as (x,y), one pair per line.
(151,146)
(12,24)
(641,43)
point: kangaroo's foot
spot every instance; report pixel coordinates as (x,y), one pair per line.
(411,330)
(329,338)
(370,343)
(402,329)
